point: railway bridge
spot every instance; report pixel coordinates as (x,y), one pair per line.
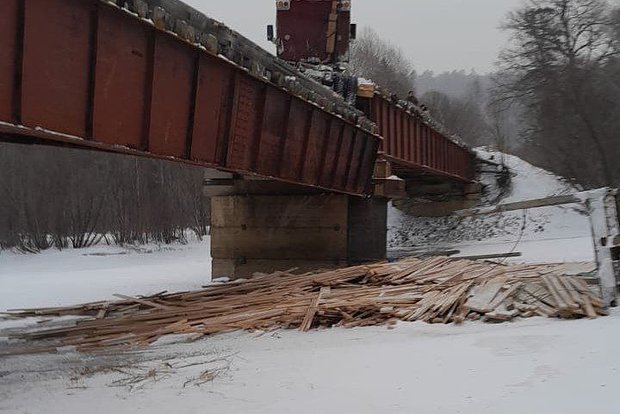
(156,78)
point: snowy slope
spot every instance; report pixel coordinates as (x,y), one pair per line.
(550,234)
(528,181)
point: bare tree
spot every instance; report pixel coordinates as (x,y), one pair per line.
(382,62)
(554,70)
(52,197)
(615,26)
(463,116)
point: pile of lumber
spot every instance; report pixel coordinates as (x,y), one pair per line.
(435,290)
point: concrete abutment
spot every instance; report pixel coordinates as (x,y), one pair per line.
(268,233)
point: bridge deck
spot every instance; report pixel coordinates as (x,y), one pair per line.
(414,145)
(89,74)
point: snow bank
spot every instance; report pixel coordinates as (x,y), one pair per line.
(54,278)
(536,366)
(549,234)
(528,182)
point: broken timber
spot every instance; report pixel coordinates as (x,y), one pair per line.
(602,209)
(435,290)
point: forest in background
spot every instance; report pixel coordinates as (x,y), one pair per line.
(553,101)
(57,198)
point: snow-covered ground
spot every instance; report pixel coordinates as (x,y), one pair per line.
(549,234)
(536,366)
(528,181)
(64,278)
(542,235)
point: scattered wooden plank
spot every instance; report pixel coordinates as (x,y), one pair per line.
(434,290)
(482,296)
(502,296)
(589,308)
(310,313)
(491,256)
(143,302)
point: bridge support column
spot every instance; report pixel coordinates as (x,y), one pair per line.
(267,233)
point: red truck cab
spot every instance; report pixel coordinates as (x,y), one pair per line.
(313,31)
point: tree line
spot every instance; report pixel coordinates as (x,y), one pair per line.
(57,198)
(456,100)
(563,73)
(554,99)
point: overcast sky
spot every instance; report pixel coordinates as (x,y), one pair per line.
(435,34)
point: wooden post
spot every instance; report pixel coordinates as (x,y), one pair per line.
(605,230)
(603,215)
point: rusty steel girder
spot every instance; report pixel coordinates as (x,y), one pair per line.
(87,73)
(412,142)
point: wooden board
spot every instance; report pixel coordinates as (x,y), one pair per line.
(435,290)
(482,297)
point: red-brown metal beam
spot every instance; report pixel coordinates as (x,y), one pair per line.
(410,142)
(88,74)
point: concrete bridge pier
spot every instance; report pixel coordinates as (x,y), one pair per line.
(439,199)
(424,195)
(258,228)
